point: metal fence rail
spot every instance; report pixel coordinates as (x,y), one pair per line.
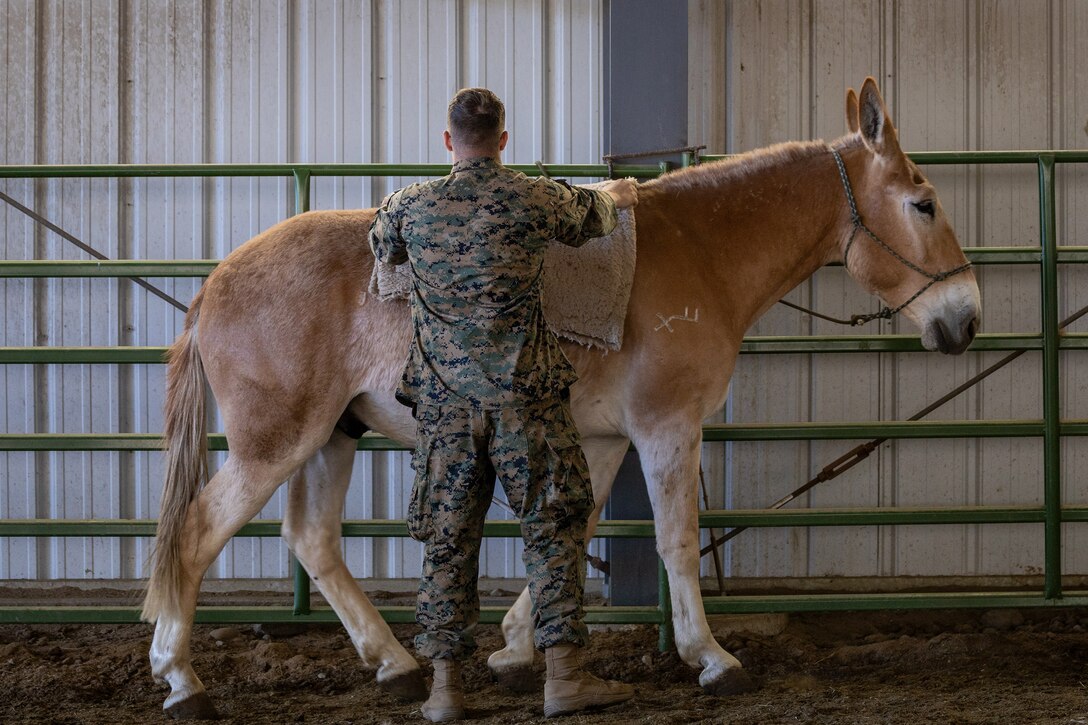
(1050,428)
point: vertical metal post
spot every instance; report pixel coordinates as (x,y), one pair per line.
(1052,485)
(664,605)
(302,588)
(302,579)
(641,111)
(302,190)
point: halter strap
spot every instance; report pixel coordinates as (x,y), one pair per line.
(886,312)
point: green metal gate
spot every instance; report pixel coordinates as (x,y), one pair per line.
(1052,514)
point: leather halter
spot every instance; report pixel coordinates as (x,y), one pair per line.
(886,312)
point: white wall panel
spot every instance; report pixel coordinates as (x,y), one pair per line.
(1069,125)
(152,81)
(932,112)
(956,75)
(846,38)
(18,557)
(78,56)
(231,81)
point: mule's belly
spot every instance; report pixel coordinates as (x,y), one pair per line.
(383,414)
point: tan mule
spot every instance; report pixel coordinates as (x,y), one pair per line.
(570,689)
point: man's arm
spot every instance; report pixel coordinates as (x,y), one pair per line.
(585,214)
(385,239)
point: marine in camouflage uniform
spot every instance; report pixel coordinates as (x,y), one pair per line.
(489,383)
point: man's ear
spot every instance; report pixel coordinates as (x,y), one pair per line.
(503,139)
(448,140)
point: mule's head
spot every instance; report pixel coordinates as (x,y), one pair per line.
(900,206)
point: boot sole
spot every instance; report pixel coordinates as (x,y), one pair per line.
(569,706)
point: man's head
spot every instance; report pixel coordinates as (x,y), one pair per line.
(476,119)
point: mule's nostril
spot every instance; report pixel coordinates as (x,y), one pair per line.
(942,338)
(972,328)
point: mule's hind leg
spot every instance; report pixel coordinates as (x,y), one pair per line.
(670,462)
(312,528)
(235,494)
(512,666)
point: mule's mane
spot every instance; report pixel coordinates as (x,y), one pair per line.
(740,168)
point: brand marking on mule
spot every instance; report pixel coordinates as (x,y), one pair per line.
(667,322)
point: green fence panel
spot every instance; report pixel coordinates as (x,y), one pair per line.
(1051,514)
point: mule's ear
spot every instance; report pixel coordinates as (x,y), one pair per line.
(876,128)
(852,122)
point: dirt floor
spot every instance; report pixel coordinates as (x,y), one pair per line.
(893,667)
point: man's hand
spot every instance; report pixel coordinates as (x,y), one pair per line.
(623,191)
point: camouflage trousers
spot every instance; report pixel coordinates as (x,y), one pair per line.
(535,455)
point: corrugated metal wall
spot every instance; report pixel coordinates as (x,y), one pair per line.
(956,75)
(154,81)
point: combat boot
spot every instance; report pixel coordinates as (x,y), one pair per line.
(570,689)
(447,701)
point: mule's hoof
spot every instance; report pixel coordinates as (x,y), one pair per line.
(194,707)
(522,679)
(734,681)
(406,686)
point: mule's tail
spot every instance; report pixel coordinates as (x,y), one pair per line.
(186,441)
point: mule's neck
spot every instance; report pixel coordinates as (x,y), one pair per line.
(763,223)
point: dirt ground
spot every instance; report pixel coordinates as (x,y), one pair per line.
(964,666)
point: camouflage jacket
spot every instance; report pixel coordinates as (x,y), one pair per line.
(475,241)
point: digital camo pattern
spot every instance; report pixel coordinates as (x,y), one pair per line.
(475,242)
(534,453)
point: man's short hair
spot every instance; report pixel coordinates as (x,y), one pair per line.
(476,118)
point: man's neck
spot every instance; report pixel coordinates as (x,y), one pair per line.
(459,155)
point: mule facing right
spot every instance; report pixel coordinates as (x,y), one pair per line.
(287,337)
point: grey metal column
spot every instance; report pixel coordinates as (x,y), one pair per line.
(646,108)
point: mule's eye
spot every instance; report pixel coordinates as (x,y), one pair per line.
(925,207)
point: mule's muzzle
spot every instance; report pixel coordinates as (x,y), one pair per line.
(951,336)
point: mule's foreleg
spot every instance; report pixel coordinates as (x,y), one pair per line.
(312,529)
(235,494)
(512,666)
(670,463)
